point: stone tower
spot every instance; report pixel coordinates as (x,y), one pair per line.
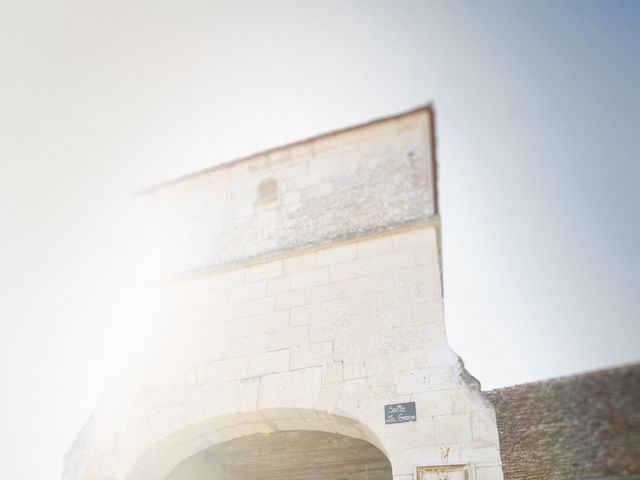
(300,332)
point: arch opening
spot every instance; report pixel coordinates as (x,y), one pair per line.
(161,459)
(287,455)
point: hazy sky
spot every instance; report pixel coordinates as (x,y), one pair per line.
(537,122)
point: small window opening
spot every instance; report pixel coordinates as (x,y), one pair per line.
(267,191)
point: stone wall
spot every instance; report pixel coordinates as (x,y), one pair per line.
(326,189)
(579,427)
(341,330)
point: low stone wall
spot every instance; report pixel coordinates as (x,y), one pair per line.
(578,427)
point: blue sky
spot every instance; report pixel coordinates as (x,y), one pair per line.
(537,144)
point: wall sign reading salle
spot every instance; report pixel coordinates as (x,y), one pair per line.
(400,413)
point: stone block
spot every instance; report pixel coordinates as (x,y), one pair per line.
(431,289)
(316,354)
(270,362)
(489,473)
(406,436)
(257,307)
(227,279)
(357,286)
(328,396)
(335,255)
(434,403)
(270,322)
(442,377)
(354,369)
(248,345)
(289,337)
(464,401)
(299,263)
(246,291)
(422,237)
(453,428)
(413,381)
(349,348)
(408,359)
(375,246)
(413,337)
(305,314)
(295,389)
(225,313)
(228,369)
(289,300)
(310,278)
(263,271)
(328,329)
(278,285)
(348,270)
(359,402)
(483,425)
(392,261)
(196,318)
(427,255)
(332,372)
(417,275)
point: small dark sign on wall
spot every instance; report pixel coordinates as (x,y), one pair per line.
(400,413)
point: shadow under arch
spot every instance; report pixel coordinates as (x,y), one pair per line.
(287,455)
(163,457)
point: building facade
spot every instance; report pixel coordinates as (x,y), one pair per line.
(299,329)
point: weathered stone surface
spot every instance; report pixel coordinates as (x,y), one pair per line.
(288,456)
(582,426)
(309,297)
(346,185)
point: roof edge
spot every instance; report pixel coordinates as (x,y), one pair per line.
(427,107)
(572,376)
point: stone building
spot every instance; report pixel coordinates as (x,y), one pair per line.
(298,331)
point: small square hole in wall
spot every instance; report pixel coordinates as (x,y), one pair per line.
(267,191)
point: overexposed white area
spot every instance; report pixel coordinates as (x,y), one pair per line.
(537,130)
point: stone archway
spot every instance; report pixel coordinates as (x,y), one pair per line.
(230,446)
(287,455)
